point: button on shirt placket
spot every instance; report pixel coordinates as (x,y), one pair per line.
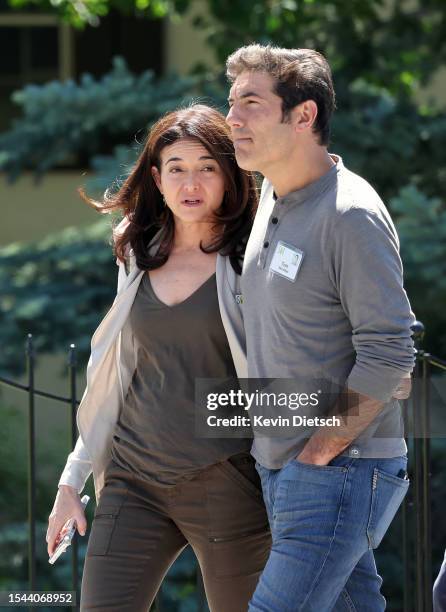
(271,228)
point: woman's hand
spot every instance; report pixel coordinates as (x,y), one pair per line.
(67,505)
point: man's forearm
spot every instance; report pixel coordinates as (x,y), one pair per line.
(355,412)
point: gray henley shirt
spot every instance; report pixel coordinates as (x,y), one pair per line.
(344,317)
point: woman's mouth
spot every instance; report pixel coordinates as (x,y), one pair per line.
(191,202)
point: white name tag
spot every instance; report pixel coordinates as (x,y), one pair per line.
(286,261)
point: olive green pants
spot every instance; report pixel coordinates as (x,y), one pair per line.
(139,530)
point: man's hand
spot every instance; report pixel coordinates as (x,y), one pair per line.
(355,412)
(403,390)
(313,455)
(326,443)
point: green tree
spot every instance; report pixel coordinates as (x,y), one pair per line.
(61,119)
(389,44)
(57,290)
(422,232)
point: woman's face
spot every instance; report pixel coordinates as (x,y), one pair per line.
(190,180)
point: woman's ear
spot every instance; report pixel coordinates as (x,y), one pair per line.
(156,177)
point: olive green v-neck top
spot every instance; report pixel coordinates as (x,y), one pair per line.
(155,433)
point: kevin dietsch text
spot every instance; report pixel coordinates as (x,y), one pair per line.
(260,421)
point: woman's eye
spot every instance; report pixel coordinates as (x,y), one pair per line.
(209,169)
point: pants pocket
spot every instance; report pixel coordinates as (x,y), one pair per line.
(241,555)
(104,526)
(244,474)
(388,491)
(238,530)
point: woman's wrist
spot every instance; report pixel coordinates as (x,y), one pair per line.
(69,489)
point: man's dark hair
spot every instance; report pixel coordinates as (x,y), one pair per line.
(299,75)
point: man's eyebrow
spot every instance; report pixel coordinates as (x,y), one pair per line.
(247,94)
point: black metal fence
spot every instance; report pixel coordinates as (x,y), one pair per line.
(416,508)
(416,515)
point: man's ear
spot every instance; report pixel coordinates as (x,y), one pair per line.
(304,115)
(156,177)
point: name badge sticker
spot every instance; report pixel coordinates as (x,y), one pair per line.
(286,261)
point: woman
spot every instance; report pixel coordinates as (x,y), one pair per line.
(177,317)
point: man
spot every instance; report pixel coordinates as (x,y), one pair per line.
(323,262)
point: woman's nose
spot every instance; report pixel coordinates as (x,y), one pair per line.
(191,182)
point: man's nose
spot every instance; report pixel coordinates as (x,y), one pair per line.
(233,118)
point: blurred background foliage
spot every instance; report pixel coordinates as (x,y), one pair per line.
(55,289)
(383,53)
(81,120)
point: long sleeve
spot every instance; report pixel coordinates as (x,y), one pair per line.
(77,468)
(369,278)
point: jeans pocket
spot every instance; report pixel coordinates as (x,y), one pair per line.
(329,467)
(308,494)
(388,491)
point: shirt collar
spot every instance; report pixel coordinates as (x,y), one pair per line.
(315,188)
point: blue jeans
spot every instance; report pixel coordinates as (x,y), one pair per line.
(325,521)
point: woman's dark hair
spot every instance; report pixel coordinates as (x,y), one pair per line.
(142,204)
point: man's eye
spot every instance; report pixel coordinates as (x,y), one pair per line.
(175,170)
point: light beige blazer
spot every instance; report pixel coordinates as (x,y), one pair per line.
(113,362)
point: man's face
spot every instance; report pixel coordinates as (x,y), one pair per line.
(260,138)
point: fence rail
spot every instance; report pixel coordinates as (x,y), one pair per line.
(416,508)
